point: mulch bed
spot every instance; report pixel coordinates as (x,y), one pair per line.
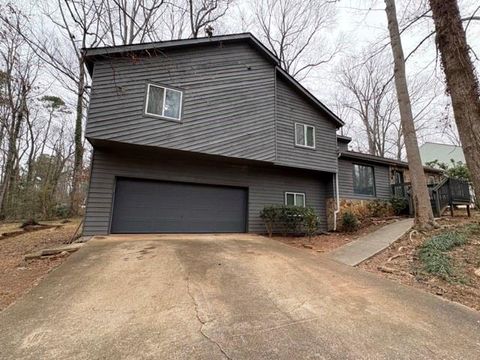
(18,276)
(330,241)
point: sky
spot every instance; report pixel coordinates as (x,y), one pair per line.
(360,25)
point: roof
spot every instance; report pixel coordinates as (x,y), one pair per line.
(380,160)
(344,138)
(94,54)
(444,153)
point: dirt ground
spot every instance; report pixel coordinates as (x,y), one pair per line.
(17,276)
(399,262)
(328,242)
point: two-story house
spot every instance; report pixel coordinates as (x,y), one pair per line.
(199,135)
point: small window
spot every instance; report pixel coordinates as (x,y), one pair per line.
(305,135)
(363,180)
(295,199)
(163,102)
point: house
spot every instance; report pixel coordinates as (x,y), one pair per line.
(443,153)
(199,135)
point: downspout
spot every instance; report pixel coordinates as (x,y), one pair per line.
(337,200)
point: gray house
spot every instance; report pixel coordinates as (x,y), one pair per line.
(199,135)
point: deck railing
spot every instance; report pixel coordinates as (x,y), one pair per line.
(448,192)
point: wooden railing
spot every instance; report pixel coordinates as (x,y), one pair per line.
(448,192)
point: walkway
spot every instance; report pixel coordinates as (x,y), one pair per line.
(368,245)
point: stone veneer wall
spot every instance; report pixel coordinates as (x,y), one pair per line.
(359,207)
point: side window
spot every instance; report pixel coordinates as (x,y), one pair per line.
(163,102)
(363,180)
(305,135)
(295,199)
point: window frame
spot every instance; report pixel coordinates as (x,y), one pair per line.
(295,198)
(373,180)
(305,126)
(165,88)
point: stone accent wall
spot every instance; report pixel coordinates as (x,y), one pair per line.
(358,207)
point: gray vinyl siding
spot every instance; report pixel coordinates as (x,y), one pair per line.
(345,180)
(228,105)
(291,108)
(342,145)
(266,184)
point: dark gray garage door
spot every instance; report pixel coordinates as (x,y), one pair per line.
(144,206)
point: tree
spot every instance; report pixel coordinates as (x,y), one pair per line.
(293,30)
(421,199)
(462,83)
(129,21)
(203,13)
(371,98)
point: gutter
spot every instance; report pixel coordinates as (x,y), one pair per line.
(337,200)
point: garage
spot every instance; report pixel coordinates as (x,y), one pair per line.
(146,206)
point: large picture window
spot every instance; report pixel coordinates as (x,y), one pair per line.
(305,135)
(363,180)
(163,102)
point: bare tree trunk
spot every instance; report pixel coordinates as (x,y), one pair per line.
(78,158)
(421,199)
(462,83)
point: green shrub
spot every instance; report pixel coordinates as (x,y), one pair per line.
(350,222)
(290,219)
(378,208)
(269,215)
(433,255)
(310,222)
(399,205)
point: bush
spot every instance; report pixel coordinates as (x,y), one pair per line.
(433,255)
(350,222)
(399,205)
(378,208)
(290,219)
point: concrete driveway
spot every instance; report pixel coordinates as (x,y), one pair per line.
(232,296)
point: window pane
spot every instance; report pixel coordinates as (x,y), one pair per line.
(300,200)
(290,199)
(363,180)
(310,136)
(155,100)
(299,134)
(172,104)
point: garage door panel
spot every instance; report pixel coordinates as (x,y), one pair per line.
(144,206)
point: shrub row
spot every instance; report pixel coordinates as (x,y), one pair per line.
(290,219)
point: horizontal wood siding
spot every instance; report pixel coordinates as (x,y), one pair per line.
(345,180)
(291,107)
(228,106)
(266,185)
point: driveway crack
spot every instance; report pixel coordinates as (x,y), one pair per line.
(203,322)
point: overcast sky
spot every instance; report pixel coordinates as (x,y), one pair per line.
(360,25)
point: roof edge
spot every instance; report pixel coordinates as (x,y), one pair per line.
(310,96)
(92,54)
(380,160)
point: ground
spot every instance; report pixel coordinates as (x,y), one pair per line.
(330,241)
(17,276)
(400,263)
(227,296)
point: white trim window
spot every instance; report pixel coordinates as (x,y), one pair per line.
(305,135)
(163,102)
(295,199)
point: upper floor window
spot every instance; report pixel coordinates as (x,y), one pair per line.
(363,180)
(305,135)
(163,102)
(295,199)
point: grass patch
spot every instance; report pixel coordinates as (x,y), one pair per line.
(433,253)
